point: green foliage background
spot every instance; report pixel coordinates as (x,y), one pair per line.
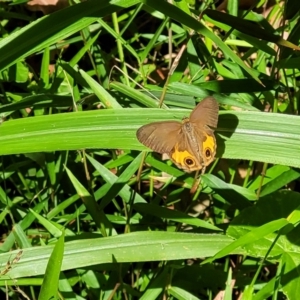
(86,214)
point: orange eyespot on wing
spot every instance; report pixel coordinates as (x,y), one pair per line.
(184,160)
(209,147)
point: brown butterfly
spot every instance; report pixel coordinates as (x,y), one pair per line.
(190,144)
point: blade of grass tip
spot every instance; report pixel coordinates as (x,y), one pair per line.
(175,215)
(97,215)
(49,288)
(47,224)
(125,193)
(250,237)
(62,206)
(132,16)
(25,223)
(50,165)
(120,39)
(21,237)
(227,190)
(294,217)
(248,292)
(44,75)
(76,58)
(135,94)
(101,93)
(151,44)
(119,184)
(73,72)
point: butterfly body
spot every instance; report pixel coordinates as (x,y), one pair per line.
(190,144)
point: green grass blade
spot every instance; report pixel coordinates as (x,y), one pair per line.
(135,94)
(49,288)
(178,15)
(126,191)
(96,213)
(133,247)
(250,237)
(106,99)
(279,182)
(59,25)
(21,237)
(177,216)
(250,28)
(47,224)
(240,135)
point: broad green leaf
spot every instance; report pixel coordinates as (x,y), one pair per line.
(132,247)
(240,135)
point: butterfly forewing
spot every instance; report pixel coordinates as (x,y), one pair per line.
(161,137)
(206,113)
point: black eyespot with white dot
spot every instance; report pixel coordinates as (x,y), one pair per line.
(207,153)
(189,161)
